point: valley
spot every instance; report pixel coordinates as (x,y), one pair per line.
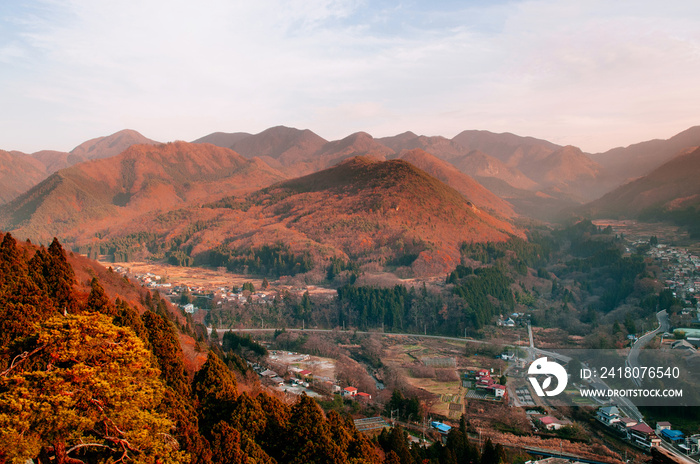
(407,280)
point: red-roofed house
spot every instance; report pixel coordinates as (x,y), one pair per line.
(499,390)
(643,436)
(350,391)
(364,396)
(627,422)
(550,422)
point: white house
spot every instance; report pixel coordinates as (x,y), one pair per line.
(608,415)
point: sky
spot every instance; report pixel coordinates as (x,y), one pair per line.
(594,74)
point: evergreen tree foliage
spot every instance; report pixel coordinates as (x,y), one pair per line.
(86,392)
(166,348)
(98,300)
(308,440)
(214,388)
(226,445)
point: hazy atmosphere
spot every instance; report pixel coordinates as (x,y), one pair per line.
(592,74)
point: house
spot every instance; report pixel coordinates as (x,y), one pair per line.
(550,422)
(608,415)
(682,345)
(675,436)
(643,436)
(350,391)
(662,426)
(626,422)
(693,444)
(440,427)
(268,373)
(189,308)
(364,396)
(304,373)
(499,390)
(507,323)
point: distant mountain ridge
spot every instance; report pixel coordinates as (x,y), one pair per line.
(43,163)
(625,164)
(671,187)
(18,173)
(538,178)
(468,187)
(75,201)
(111,145)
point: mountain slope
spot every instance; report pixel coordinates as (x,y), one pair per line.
(111,145)
(471,189)
(18,173)
(76,201)
(509,148)
(54,160)
(482,166)
(570,171)
(366,210)
(280,146)
(671,187)
(441,147)
(331,153)
(222,139)
(641,158)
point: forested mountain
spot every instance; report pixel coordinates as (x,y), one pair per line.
(149,198)
(365,210)
(18,173)
(471,189)
(84,199)
(670,192)
(85,378)
(624,164)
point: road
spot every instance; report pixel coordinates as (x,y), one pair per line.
(536,352)
(388,334)
(633,357)
(667,446)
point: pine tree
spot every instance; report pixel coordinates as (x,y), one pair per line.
(87,394)
(166,347)
(215,391)
(98,300)
(226,445)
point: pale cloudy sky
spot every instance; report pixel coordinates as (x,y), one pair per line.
(595,74)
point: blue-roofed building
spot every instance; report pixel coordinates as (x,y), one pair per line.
(673,435)
(440,427)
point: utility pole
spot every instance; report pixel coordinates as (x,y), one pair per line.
(392,415)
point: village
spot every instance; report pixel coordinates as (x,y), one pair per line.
(292,374)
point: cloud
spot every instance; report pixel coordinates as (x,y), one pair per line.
(173,69)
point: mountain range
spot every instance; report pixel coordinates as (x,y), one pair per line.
(20,171)
(668,190)
(105,193)
(245,190)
